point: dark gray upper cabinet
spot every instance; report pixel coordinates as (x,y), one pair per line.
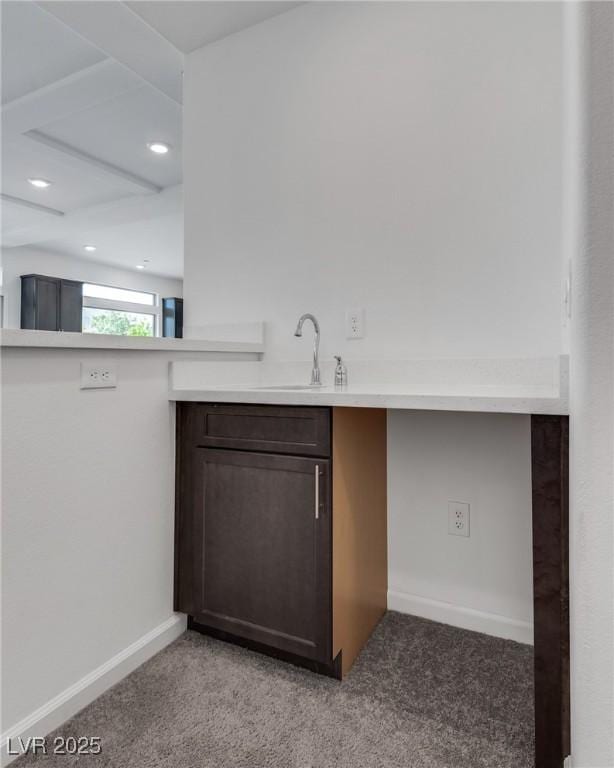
(71,306)
(51,303)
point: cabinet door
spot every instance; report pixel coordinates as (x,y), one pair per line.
(47,304)
(28,302)
(263,566)
(71,306)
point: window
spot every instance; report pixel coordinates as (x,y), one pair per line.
(119,311)
(118,294)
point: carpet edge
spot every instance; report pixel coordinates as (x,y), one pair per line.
(70,701)
(459,616)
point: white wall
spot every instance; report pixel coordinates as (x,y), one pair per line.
(592,402)
(402,157)
(22,261)
(87,528)
(483,582)
(405,158)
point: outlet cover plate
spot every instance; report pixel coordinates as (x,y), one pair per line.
(98,376)
(458,518)
(355,324)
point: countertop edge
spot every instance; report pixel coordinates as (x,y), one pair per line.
(554,406)
(17,338)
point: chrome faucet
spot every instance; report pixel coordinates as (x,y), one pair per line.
(315,372)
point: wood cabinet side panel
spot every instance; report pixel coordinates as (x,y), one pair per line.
(550,481)
(186,548)
(360,558)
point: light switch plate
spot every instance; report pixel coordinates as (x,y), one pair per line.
(98,376)
(355,324)
(458,518)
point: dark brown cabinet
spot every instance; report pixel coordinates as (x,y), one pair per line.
(51,303)
(265,555)
(265,561)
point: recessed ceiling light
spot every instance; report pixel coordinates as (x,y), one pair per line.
(40,183)
(89,248)
(159,147)
(140,266)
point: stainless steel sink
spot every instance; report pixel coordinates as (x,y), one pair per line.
(291,387)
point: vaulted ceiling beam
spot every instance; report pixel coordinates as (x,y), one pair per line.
(104,216)
(77,92)
(27,204)
(89,160)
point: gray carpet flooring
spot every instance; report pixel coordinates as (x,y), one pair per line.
(421,695)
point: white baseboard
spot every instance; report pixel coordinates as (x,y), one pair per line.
(459,616)
(66,704)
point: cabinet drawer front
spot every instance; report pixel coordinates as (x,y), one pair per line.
(302,431)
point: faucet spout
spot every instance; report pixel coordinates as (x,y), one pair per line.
(315,371)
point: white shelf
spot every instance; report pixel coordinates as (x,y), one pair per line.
(54,340)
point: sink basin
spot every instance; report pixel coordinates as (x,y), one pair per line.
(291,387)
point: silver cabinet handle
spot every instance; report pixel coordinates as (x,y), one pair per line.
(317,491)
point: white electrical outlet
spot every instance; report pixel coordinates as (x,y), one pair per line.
(102,376)
(458,518)
(355,324)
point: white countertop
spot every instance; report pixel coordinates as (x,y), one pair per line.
(492,401)
(54,340)
(538,387)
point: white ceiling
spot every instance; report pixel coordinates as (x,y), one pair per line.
(117,131)
(131,242)
(85,86)
(189,25)
(37,50)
